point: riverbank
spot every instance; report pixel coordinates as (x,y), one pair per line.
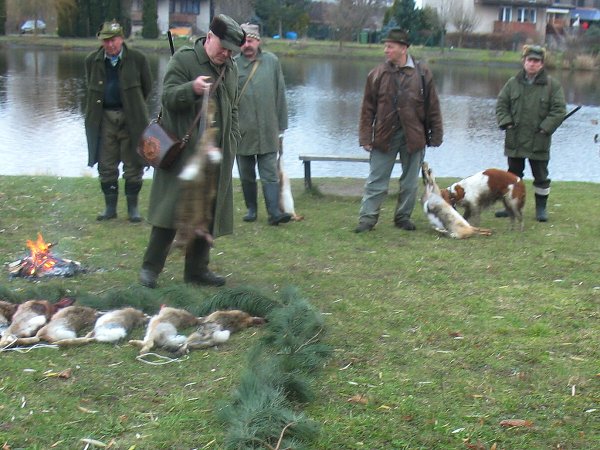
(314,48)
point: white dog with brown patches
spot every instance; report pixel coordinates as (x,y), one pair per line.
(444,218)
(485,188)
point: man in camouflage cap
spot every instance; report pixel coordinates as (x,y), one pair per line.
(118,84)
(189,76)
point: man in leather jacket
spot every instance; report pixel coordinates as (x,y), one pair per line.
(400,115)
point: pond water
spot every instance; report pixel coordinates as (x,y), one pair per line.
(41,121)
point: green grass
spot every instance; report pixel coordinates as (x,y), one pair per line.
(300,48)
(443,339)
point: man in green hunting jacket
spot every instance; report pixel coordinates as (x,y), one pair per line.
(118,84)
(530,107)
(189,75)
(263,120)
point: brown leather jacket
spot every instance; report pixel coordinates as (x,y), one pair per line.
(394,98)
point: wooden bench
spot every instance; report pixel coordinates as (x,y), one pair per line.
(307,159)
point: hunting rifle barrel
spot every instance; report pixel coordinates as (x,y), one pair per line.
(170,36)
(572,112)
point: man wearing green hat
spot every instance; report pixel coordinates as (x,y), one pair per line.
(400,115)
(118,84)
(530,107)
(190,74)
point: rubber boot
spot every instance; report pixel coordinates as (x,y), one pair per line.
(132,191)
(540,208)
(501,213)
(271,193)
(111,197)
(196,265)
(156,255)
(249,190)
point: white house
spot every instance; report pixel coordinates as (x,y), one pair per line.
(195,14)
(531,18)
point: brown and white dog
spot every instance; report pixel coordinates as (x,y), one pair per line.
(485,188)
(444,218)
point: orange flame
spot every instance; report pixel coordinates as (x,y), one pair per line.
(41,260)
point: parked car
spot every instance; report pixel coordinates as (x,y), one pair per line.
(29,26)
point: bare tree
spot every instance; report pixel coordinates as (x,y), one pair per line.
(351,16)
(464,20)
(242,11)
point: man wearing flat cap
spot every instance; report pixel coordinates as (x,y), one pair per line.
(263,120)
(118,82)
(530,107)
(206,68)
(400,115)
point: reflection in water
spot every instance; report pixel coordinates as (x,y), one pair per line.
(41,120)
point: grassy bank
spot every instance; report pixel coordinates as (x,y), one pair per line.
(436,341)
(300,48)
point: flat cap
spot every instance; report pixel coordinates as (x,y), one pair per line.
(534,52)
(228,31)
(109,30)
(251,30)
(397,35)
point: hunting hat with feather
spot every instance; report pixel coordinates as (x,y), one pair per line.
(397,35)
(228,31)
(534,52)
(109,30)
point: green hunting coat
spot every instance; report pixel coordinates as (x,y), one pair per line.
(179,108)
(135,81)
(262,108)
(530,113)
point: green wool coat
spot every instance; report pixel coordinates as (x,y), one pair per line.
(135,80)
(179,108)
(530,108)
(262,108)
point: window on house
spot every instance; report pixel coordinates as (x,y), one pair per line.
(185,6)
(505,14)
(526,15)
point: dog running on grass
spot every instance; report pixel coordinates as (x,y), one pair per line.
(444,218)
(485,188)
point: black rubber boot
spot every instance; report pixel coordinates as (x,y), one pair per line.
(249,190)
(540,208)
(111,197)
(271,193)
(132,191)
(196,265)
(501,213)
(156,255)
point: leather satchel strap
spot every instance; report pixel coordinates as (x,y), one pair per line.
(252,72)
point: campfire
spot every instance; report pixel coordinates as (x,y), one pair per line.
(41,263)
